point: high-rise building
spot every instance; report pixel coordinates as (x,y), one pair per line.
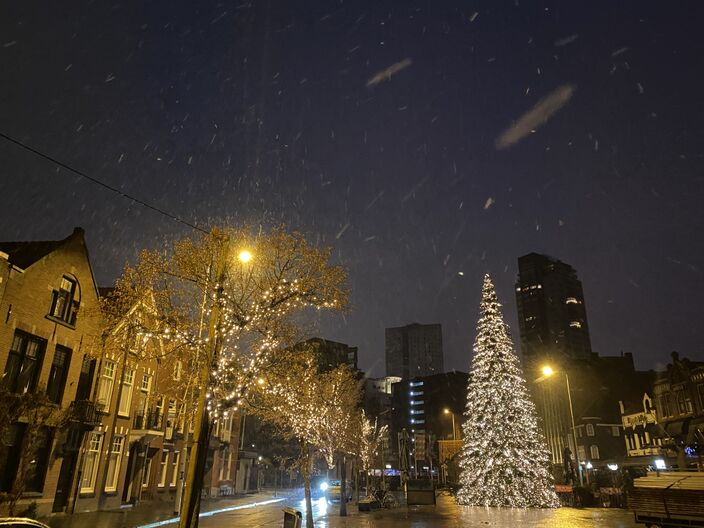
(552,317)
(414,350)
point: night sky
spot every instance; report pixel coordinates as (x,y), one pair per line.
(261,112)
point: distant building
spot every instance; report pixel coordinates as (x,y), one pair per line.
(378,406)
(552,316)
(414,350)
(332,354)
(679,397)
(427,408)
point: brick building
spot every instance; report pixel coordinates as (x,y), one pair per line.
(49,333)
(125,391)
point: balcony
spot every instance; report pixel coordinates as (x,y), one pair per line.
(147,425)
(86,413)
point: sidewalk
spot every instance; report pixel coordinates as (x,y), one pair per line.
(147,512)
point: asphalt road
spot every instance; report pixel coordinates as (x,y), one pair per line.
(445,514)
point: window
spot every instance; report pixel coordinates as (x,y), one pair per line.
(107,379)
(90,462)
(114,460)
(700,391)
(57,375)
(229,465)
(163,467)
(575,324)
(175,460)
(178,369)
(665,405)
(615,430)
(126,394)
(582,453)
(223,463)
(85,379)
(147,472)
(590,429)
(64,305)
(23,363)
(146,382)
(594,451)
(571,300)
(10,456)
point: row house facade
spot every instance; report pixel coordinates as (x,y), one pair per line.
(678,394)
(125,434)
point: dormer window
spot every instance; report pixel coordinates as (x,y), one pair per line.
(66,300)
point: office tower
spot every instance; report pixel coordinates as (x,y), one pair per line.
(414,350)
(552,317)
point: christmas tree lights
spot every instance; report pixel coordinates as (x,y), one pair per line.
(504,459)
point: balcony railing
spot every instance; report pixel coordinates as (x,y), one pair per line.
(86,412)
(150,419)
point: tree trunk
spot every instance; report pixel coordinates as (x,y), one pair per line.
(343,487)
(305,466)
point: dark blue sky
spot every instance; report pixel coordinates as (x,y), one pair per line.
(259,112)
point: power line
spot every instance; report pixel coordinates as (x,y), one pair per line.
(100,183)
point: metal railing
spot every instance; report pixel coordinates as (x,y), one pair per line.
(150,419)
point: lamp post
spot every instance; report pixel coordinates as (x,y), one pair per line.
(548,371)
(448,411)
(190,505)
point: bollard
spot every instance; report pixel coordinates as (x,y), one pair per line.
(292,518)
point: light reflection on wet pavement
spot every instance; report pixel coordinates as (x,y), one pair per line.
(445,514)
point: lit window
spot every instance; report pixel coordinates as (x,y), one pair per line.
(115,457)
(615,430)
(594,451)
(126,395)
(571,300)
(575,324)
(164,464)
(146,382)
(107,379)
(90,462)
(590,429)
(175,459)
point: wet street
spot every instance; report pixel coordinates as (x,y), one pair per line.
(445,514)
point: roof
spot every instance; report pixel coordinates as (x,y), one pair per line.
(24,254)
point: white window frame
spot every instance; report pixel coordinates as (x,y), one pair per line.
(106,384)
(163,466)
(590,429)
(594,451)
(175,462)
(178,370)
(146,377)
(114,458)
(123,407)
(615,430)
(92,454)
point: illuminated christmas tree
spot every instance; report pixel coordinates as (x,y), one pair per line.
(504,459)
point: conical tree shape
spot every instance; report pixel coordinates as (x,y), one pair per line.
(504,459)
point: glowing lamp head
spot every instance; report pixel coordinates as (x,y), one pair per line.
(446,410)
(260,381)
(245,256)
(548,371)
(323,486)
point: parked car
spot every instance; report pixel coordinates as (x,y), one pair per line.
(333,491)
(20,522)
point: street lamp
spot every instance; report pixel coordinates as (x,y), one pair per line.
(190,502)
(447,411)
(548,371)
